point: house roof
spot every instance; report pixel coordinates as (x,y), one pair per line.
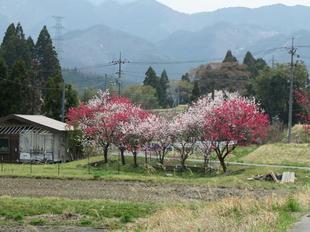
(39,120)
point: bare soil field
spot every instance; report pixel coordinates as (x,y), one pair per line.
(121,190)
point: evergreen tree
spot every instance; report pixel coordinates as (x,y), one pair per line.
(253,65)
(46,57)
(3,87)
(185,77)
(249,60)
(151,78)
(53,97)
(72,98)
(18,90)
(229,57)
(49,73)
(162,89)
(196,92)
(14,46)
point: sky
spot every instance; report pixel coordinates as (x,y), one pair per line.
(193,6)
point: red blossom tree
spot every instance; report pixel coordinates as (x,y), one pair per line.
(303,99)
(237,121)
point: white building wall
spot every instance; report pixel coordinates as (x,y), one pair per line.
(43,147)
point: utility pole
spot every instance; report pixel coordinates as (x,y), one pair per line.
(58,44)
(119,62)
(292,52)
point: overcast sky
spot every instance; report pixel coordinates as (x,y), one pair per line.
(192,6)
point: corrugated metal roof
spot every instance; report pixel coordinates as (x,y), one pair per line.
(44,121)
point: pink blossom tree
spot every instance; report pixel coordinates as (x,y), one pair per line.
(100,120)
(184,135)
(134,136)
(155,136)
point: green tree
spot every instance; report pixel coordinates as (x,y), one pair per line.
(271,89)
(53,97)
(185,77)
(14,46)
(3,87)
(142,95)
(151,78)
(196,92)
(18,90)
(49,73)
(72,98)
(162,90)
(46,56)
(253,65)
(181,92)
(229,57)
(88,94)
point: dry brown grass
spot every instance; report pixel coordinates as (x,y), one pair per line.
(230,214)
(285,154)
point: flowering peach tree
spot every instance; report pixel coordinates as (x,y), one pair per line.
(303,99)
(101,120)
(236,121)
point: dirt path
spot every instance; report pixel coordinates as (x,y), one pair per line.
(117,190)
(303,225)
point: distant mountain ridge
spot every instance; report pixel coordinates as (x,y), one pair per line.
(146,30)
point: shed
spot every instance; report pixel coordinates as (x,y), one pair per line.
(28,138)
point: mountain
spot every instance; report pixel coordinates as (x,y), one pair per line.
(212,42)
(99,45)
(277,17)
(150,33)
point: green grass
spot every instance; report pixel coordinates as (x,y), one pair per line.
(237,176)
(240,152)
(35,211)
(281,154)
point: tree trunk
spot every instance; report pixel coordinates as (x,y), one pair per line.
(183,163)
(135,158)
(223,164)
(122,150)
(145,155)
(105,152)
(162,157)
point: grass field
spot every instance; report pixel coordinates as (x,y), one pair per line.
(241,204)
(284,154)
(237,176)
(269,214)
(54,211)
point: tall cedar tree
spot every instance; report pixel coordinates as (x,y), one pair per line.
(229,57)
(196,92)
(151,78)
(162,90)
(14,46)
(253,65)
(46,56)
(19,89)
(3,87)
(31,79)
